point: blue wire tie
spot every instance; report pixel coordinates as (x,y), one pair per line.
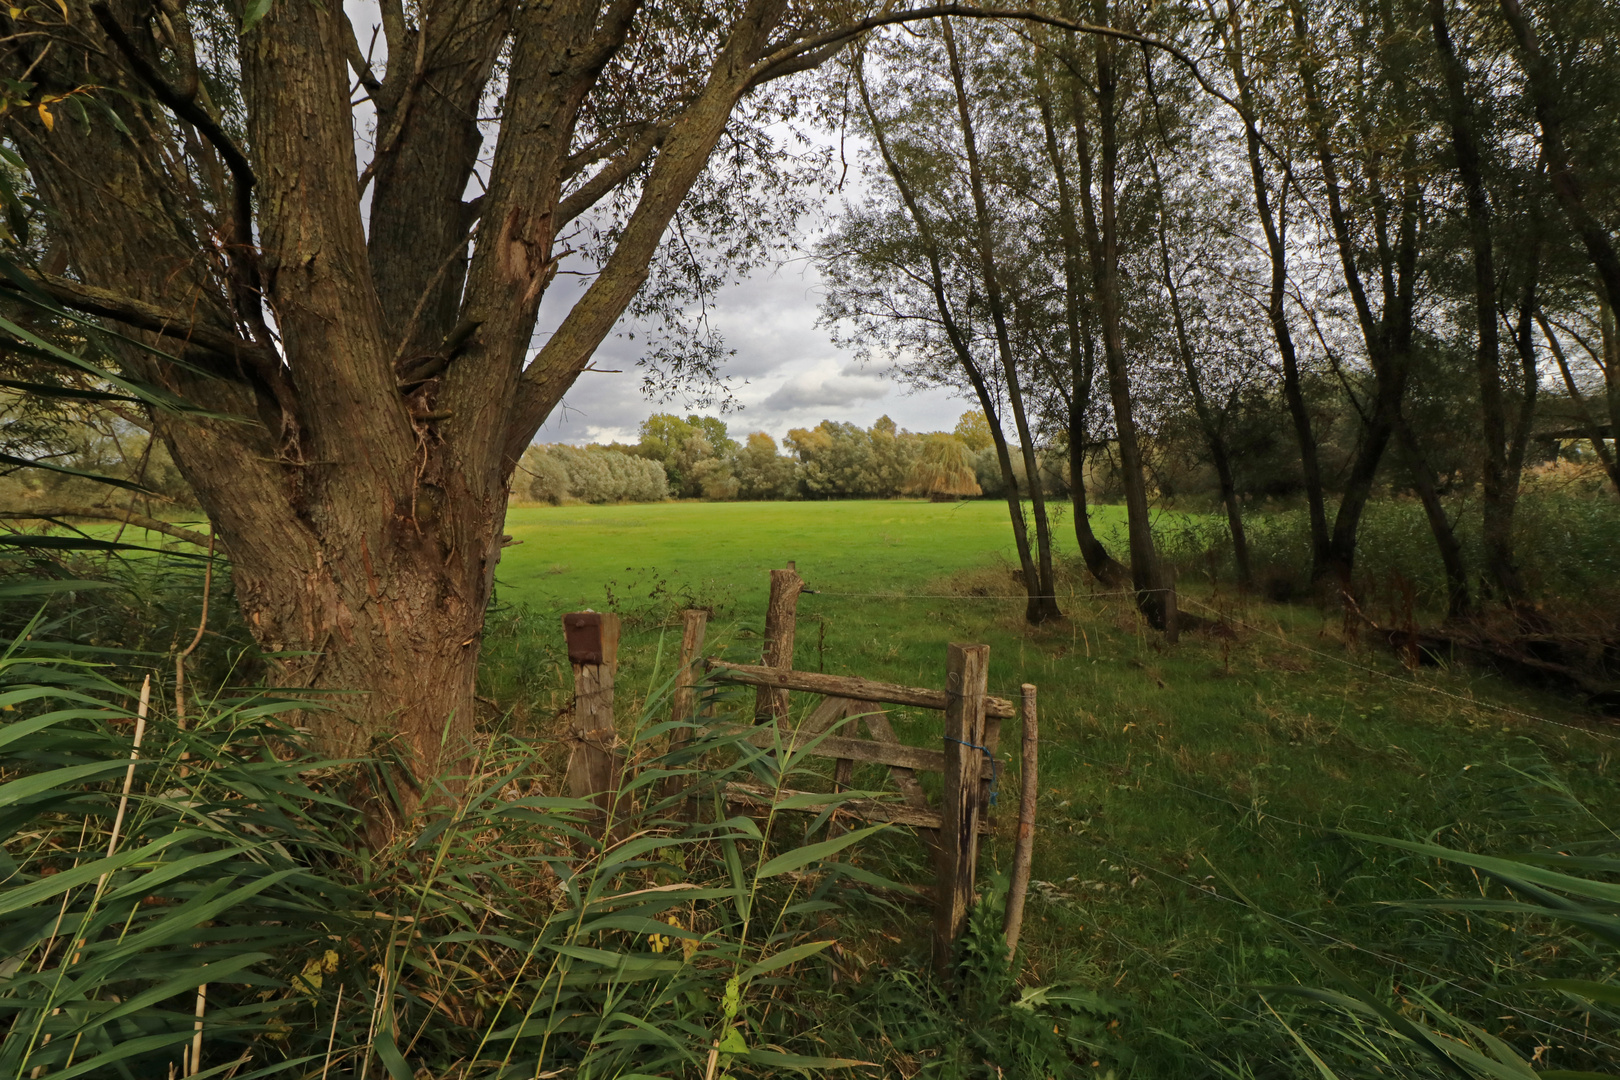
(995,764)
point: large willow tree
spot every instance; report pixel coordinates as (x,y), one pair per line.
(358,326)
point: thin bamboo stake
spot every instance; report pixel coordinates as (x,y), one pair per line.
(180,657)
(196,1038)
(1024,851)
(129,774)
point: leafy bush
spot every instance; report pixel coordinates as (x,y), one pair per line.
(560,473)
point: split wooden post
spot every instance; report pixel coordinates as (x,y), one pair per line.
(684,702)
(780,623)
(966,677)
(1024,850)
(593,652)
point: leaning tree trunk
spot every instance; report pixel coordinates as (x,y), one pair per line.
(1440,525)
(1044,605)
(961,347)
(1274,224)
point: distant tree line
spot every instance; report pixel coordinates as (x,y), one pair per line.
(696,458)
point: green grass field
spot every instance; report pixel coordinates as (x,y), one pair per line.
(1190,794)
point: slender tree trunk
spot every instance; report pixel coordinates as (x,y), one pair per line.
(960,345)
(1547,95)
(1500,490)
(1275,227)
(1426,485)
(1044,606)
(1208,422)
(1102,227)
(1388,337)
(1082,345)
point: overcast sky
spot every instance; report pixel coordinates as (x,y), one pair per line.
(786,372)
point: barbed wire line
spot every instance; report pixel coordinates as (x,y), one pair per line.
(1205,891)
(1410,683)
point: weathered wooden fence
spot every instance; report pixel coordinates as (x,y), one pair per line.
(966,759)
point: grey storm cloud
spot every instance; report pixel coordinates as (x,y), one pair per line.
(785,371)
(838,391)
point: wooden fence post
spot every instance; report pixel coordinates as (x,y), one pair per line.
(684,702)
(593,652)
(1024,851)
(780,623)
(966,677)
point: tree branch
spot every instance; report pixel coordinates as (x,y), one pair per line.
(250,299)
(142,315)
(609,176)
(789,55)
(108,513)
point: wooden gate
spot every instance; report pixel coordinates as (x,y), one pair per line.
(966,758)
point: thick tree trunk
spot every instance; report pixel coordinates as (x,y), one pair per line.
(361,486)
(1044,605)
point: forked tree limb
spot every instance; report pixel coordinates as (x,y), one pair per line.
(109,513)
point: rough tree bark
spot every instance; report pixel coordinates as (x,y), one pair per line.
(362,496)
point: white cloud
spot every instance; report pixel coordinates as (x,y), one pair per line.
(786,371)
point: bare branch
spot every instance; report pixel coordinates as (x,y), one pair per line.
(108,513)
(357,59)
(142,315)
(249,297)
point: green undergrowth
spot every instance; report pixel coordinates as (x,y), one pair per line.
(1215,892)
(1190,795)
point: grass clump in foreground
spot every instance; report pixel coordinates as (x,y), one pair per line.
(201,899)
